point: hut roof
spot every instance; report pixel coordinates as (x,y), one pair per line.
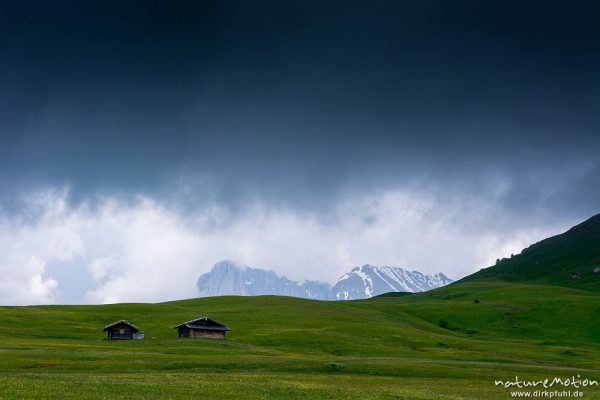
(204,323)
(121,322)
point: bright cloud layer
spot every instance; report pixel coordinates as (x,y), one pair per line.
(140,250)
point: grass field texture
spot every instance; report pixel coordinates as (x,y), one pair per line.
(451,343)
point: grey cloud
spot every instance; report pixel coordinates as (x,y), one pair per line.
(301,105)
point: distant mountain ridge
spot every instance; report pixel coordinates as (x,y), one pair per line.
(368,281)
(227,278)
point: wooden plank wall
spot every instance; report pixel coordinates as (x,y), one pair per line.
(196,333)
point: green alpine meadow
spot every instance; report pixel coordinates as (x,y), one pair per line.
(475,339)
(299,200)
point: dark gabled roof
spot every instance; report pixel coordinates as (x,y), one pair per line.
(204,323)
(121,322)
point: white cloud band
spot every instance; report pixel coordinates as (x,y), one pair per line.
(141,250)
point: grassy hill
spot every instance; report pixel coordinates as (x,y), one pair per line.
(394,294)
(552,260)
(436,345)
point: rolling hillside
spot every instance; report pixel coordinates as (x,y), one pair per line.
(435,345)
(553,261)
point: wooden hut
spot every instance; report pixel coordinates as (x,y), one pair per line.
(123,330)
(202,328)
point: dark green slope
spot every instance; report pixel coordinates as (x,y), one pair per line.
(554,260)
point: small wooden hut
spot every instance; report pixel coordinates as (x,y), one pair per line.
(123,330)
(203,327)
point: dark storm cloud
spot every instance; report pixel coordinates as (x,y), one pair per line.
(301,102)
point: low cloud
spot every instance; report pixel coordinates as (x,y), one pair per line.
(142,250)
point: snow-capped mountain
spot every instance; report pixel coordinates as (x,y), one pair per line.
(368,281)
(227,278)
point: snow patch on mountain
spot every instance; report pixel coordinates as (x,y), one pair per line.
(228,278)
(368,281)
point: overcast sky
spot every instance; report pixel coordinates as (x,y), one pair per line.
(142,143)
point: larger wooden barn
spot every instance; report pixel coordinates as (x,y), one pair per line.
(203,327)
(123,330)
